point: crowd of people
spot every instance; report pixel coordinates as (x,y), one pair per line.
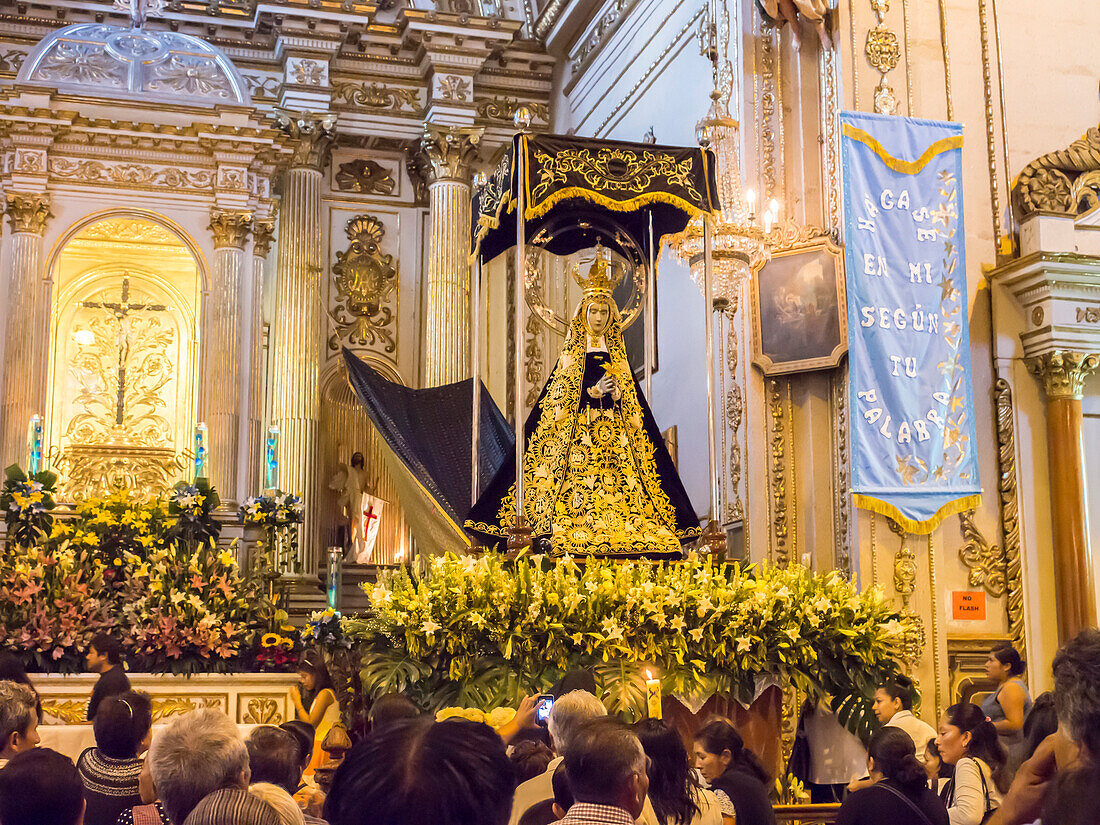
(584,767)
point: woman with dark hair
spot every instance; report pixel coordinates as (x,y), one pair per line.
(675,794)
(732,770)
(935,768)
(1009,704)
(1041,722)
(444,773)
(900,794)
(111,770)
(315,702)
(969,741)
(893,706)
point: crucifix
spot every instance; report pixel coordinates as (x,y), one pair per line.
(121,310)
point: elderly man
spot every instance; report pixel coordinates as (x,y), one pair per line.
(18,720)
(274,757)
(569,713)
(606,766)
(1077,742)
(195,755)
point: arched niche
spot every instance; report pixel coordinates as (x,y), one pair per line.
(124,355)
(345,429)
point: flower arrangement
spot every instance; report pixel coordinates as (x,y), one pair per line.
(272,509)
(193,506)
(482,632)
(325,630)
(176,601)
(27,502)
(279,650)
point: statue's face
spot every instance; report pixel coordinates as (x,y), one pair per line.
(357,460)
(597,317)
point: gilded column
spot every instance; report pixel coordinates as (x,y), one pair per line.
(450,151)
(28,325)
(263,232)
(222,349)
(296,334)
(1063,375)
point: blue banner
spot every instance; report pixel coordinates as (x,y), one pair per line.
(911,404)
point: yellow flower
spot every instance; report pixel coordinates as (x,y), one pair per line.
(270,640)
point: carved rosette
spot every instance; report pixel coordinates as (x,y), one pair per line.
(1065,182)
(1063,373)
(263,233)
(28,212)
(311,136)
(230,228)
(450,151)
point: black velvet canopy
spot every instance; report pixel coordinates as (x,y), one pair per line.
(589,181)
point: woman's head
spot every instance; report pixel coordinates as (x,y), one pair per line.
(1041,721)
(893,697)
(934,765)
(891,755)
(718,747)
(599,312)
(312,673)
(122,725)
(670,782)
(447,773)
(966,731)
(1003,663)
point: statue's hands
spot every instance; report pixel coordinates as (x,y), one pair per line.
(606,385)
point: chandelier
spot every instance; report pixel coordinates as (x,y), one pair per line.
(739,233)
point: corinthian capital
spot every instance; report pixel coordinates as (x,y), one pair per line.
(450,150)
(310,136)
(1063,373)
(263,232)
(28,212)
(230,227)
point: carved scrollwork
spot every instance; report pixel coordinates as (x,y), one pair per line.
(365,278)
(378,97)
(262,710)
(985,561)
(366,176)
(1010,524)
(503,109)
(1065,182)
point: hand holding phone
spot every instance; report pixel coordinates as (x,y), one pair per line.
(542,708)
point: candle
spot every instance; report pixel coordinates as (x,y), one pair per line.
(335,563)
(750,200)
(271,458)
(652,696)
(201,450)
(34,444)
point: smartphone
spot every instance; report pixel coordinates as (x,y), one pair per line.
(542,709)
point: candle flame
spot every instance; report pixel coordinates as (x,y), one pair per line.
(648,673)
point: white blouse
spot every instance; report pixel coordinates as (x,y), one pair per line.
(969,801)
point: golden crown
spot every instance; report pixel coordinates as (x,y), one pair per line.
(602,276)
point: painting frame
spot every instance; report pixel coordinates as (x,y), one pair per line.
(794,249)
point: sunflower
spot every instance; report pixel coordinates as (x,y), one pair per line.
(270,640)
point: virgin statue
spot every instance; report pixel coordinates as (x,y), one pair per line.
(598,479)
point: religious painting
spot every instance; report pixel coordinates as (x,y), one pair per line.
(799,317)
